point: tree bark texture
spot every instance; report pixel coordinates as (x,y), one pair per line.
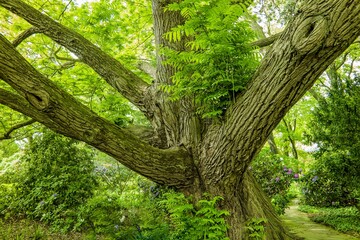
(191,154)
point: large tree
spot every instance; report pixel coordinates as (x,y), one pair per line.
(187,153)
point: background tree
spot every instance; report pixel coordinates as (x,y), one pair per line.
(186,152)
(333,179)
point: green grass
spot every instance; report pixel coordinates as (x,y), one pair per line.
(25,229)
(346,219)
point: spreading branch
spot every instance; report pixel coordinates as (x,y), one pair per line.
(123,80)
(42,100)
(16,127)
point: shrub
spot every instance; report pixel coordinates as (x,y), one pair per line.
(275,178)
(329,182)
(58,178)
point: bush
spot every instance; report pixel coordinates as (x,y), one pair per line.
(275,178)
(329,182)
(272,173)
(58,178)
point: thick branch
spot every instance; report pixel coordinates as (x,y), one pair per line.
(24,35)
(317,35)
(16,127)
(123,80)
(52,106)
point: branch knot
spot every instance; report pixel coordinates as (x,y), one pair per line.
(310,34)
(39,99)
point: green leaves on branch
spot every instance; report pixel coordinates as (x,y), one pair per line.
(218,61)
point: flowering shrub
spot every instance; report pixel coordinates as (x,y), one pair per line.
(272,173)
(275,177)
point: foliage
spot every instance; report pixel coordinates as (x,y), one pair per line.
(203,221)
(344,219)
(256,228)
(123,206)
(333,179)
(275,177)
(58,178)
(218,60)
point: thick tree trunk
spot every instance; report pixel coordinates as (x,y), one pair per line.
(246,201)
(200,157)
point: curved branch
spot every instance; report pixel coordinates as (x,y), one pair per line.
(16,127)
(43,101)
(123,80)
(24,35)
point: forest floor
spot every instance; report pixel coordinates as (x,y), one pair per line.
(299,224)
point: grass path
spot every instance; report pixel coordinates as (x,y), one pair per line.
(300,225)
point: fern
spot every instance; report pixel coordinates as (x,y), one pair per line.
(204,221)
(219,60)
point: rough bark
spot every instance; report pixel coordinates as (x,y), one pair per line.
(217,155)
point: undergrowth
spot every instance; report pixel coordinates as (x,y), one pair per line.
(345,219)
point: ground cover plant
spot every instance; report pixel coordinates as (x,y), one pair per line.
(344,219)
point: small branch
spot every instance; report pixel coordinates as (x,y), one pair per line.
(16,127)
(67,5)
(67,59)
(266,41)
(315,95)
(24,35)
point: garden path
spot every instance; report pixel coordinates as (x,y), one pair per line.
(300,225)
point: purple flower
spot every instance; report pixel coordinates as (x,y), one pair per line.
(277,179)
(314,179)
(289,171)
(285,169)
(296,175)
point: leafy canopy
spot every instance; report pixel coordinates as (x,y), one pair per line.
(218,60)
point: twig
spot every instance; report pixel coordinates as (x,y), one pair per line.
(15,127)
